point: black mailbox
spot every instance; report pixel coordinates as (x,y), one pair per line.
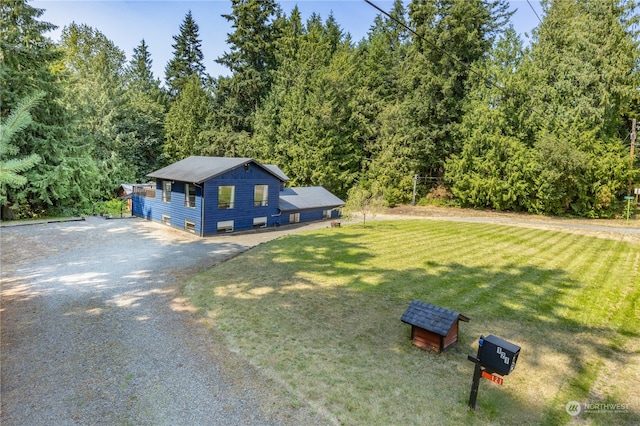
(497,355)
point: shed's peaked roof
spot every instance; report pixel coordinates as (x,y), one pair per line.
(199,169)
(312,197)
(430,317)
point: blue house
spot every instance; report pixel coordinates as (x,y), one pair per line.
(210,195)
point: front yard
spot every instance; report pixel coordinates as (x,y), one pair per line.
(319,313)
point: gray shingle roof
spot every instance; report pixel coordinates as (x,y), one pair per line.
(275,170)
(312,197)
(199,169)
(430,317)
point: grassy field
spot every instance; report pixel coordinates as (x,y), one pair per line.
(320,314)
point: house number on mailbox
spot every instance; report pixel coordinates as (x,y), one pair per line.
(495,356)
(503,355)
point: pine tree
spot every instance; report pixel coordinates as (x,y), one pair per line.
(381,55)
(495,168)
(138,73)
(187,56)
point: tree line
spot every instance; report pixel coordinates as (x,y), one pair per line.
(444,89)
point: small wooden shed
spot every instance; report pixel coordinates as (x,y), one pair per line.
(432,327)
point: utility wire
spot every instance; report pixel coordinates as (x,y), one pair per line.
(534,11)
(444,52)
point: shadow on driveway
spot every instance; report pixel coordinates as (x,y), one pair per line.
(94,330)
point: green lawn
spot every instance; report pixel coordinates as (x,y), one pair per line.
(320,313)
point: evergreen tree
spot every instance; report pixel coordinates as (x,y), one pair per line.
(581,76)
(10,168)
(186,121)
(382,52)
(146,107)
(187,56)
(138,73)
(381,55)
(309,123)
(450,35)
(495,168)
(95,97)
(548,136)
(63,179)
(251,60)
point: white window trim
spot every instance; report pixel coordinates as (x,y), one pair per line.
(265,196)
(166,195)
(187,200)
(225,226)
(260,222)
(232,198)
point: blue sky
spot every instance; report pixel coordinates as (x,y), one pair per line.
(126,23)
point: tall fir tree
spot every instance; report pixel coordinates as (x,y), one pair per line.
(138,73)
(496,167)
(146,106)
(95,97)
(418,132)
(309,123)
(188,58)
(251,60)
(186,121)
(11,167)
(582,75)
(381,55)
(63,180)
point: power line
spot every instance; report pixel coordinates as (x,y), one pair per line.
(534,11)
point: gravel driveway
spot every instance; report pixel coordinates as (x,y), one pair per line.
(94,331)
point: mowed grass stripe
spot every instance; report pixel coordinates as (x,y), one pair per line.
(320,312)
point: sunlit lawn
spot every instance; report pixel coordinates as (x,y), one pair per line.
(320,313)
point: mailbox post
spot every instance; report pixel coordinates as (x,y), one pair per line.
(495,356)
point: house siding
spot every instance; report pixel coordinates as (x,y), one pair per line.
(155,208)
(244,210)
(308,215)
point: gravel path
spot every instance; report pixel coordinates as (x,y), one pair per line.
(94,331)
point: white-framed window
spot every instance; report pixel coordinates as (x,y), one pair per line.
(189,195)
(166,191)
(190,226)
(260,222)
(260,195)
(326,214)
(166,219)
(226,197)
(294,218)
(225,226)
